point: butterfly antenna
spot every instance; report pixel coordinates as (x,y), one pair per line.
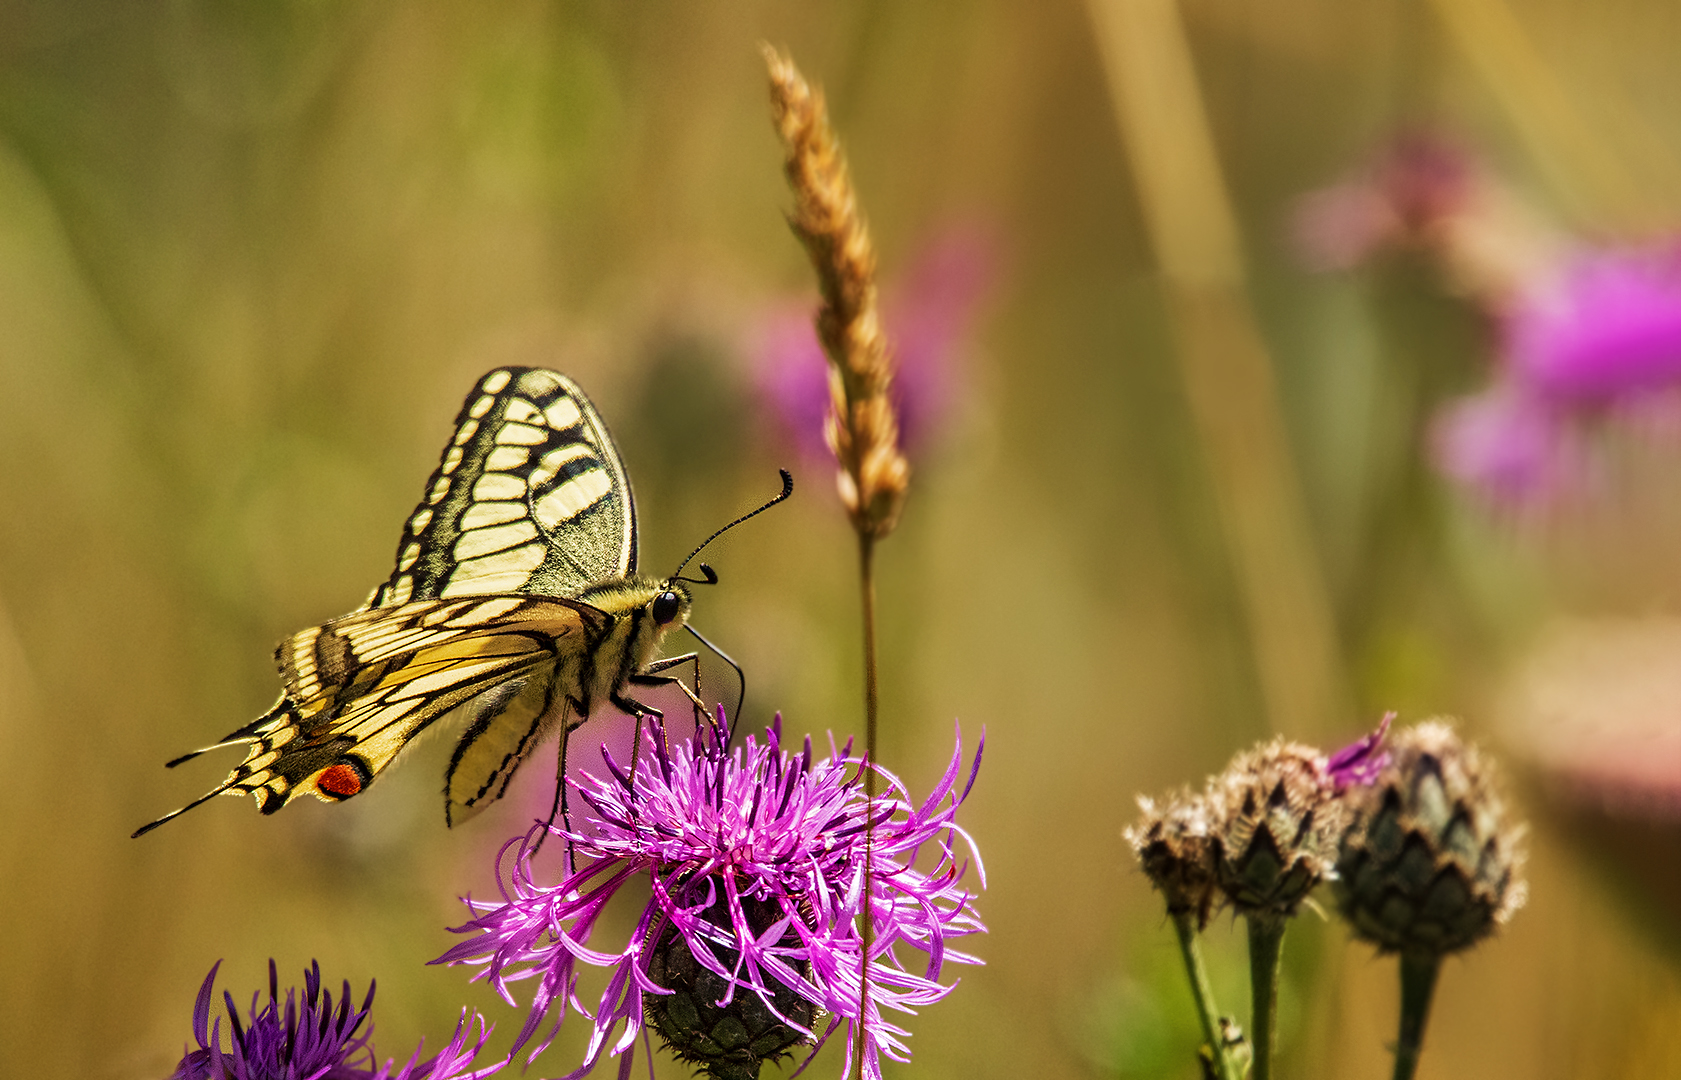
(712,578)
(741,676)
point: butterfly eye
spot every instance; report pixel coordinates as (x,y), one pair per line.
(665,607)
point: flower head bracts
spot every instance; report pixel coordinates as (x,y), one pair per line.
(772,840)
(310,1040)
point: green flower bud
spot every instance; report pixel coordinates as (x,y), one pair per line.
(1432,862)
(1278,820)
(725,1042)
(1173,845)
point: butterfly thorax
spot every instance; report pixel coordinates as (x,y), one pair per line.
(638,614)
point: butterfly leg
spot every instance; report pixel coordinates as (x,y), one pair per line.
(558,808)
(649,677)
(638,710)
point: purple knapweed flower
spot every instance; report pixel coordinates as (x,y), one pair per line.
(927,312)
(1593,344)
(310,1040)
(1362,760)
(755,862)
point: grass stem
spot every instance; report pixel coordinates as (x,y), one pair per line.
(867,581)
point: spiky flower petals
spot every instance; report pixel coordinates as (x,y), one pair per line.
(1175,846)
(755,862)
(310,1040)
(1277,822)
(1433,862)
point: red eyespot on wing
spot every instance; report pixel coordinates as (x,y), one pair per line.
(340,781)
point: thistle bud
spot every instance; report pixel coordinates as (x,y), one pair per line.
(1277,822)
(1174,846)
(1432,862)
(725,1042)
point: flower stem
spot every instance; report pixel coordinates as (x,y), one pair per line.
(866,574)
(1266,940)
(1418,984)
(867,582)
(1207,1012)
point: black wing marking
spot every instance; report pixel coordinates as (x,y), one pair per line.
(530,497)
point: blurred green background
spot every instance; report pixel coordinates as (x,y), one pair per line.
(253,254)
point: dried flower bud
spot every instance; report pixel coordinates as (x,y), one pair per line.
(1175,847)
(726,1042)
(1432,862)
(1277,825)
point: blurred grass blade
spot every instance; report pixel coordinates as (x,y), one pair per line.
(1223,361)
(1574,157)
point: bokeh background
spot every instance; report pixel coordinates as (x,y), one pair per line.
(1172,493)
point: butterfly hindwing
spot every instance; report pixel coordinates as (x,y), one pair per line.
(530,497)
(368,683)
(361,653)
(505,723)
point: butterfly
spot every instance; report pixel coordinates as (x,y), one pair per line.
(514,601)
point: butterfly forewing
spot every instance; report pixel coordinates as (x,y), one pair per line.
(530,497)
(338,660)
(506,722)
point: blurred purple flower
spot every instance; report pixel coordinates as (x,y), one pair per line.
(1605,327)
(1596,337)
(1361,761)
(1581,333)
(1507,444)
(757,829)
(309,1041)
(929,311)
(1400,197)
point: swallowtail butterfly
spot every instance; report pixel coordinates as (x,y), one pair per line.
(515,600)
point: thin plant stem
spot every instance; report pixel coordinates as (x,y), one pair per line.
(1266,940)
(867,582)
(862,427)
(1207,1012)
(1418,985)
